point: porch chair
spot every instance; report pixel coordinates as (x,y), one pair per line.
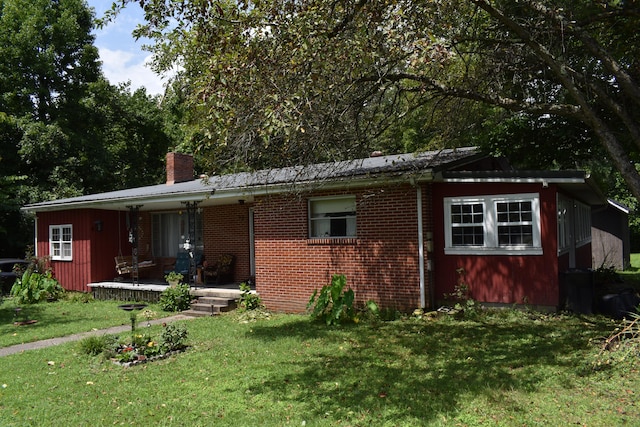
(221,271)
(183,264)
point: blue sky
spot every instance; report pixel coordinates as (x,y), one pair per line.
(122,56)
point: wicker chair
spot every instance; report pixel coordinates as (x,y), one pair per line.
(221,271)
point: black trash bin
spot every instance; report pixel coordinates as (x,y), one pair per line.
(578,290)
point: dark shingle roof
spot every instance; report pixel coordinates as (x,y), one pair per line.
(383,167)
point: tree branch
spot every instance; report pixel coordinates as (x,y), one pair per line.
(607,138)
(565,110)
(622,77)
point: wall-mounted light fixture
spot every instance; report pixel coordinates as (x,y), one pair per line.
(241,201)
(98,225)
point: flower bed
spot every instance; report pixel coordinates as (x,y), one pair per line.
(144,359)
(139,347)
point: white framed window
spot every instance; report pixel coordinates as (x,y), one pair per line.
(574,224)
(583,223)
(500,224)
(332,217)
(564,208)
(61,242)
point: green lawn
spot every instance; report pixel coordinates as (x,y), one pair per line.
(58,319)
(631,276)
(508,368)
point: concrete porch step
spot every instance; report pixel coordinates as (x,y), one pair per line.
(211,302)
(218,293)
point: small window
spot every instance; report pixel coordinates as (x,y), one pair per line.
(467,224)
(332,217)
(497,224)
(61,242)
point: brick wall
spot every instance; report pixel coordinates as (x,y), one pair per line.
(226,231)
(380,264)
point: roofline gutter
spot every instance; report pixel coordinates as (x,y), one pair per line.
(119,203)
(516,180)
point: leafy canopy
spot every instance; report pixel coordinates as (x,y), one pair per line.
(283,82)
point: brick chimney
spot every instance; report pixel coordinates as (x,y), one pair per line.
(179,168)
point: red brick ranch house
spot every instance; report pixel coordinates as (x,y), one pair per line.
(399,227)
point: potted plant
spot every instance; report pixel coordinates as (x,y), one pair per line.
(173,278)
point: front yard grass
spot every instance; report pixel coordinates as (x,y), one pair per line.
(60,318)
(505,369)
(631,276)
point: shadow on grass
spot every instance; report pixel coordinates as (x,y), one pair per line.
(12,313)
(58,316)
(417,370)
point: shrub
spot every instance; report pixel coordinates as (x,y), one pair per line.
(176,298)
(463,303)
(35,286)
(93,345)
(173,337)
(333,304)
(248,300)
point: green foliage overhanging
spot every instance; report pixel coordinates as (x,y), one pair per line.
(296,82)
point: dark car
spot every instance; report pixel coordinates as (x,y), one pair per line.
(7,273)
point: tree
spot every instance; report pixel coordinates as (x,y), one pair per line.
(64,130)
(47,56)
(294,81)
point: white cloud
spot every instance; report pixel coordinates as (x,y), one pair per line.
(120,66)
(122,56)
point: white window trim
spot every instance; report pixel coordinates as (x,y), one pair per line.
(490,225)
(328,198)
(564,236)
(583,223)
(574,224)
(61,256)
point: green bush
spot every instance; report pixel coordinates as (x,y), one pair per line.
(248,300)
(34,287)
(176,298)
(93,345)
(333,304)
(173,338)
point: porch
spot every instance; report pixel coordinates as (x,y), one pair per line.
(209,300)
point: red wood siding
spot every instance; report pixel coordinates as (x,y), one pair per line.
(508,279)
(380,264)
(93,250)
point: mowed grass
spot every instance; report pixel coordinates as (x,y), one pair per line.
(631,276)
(60,318)
(506,368)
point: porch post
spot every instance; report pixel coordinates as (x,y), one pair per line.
(133,239)
(191,238)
